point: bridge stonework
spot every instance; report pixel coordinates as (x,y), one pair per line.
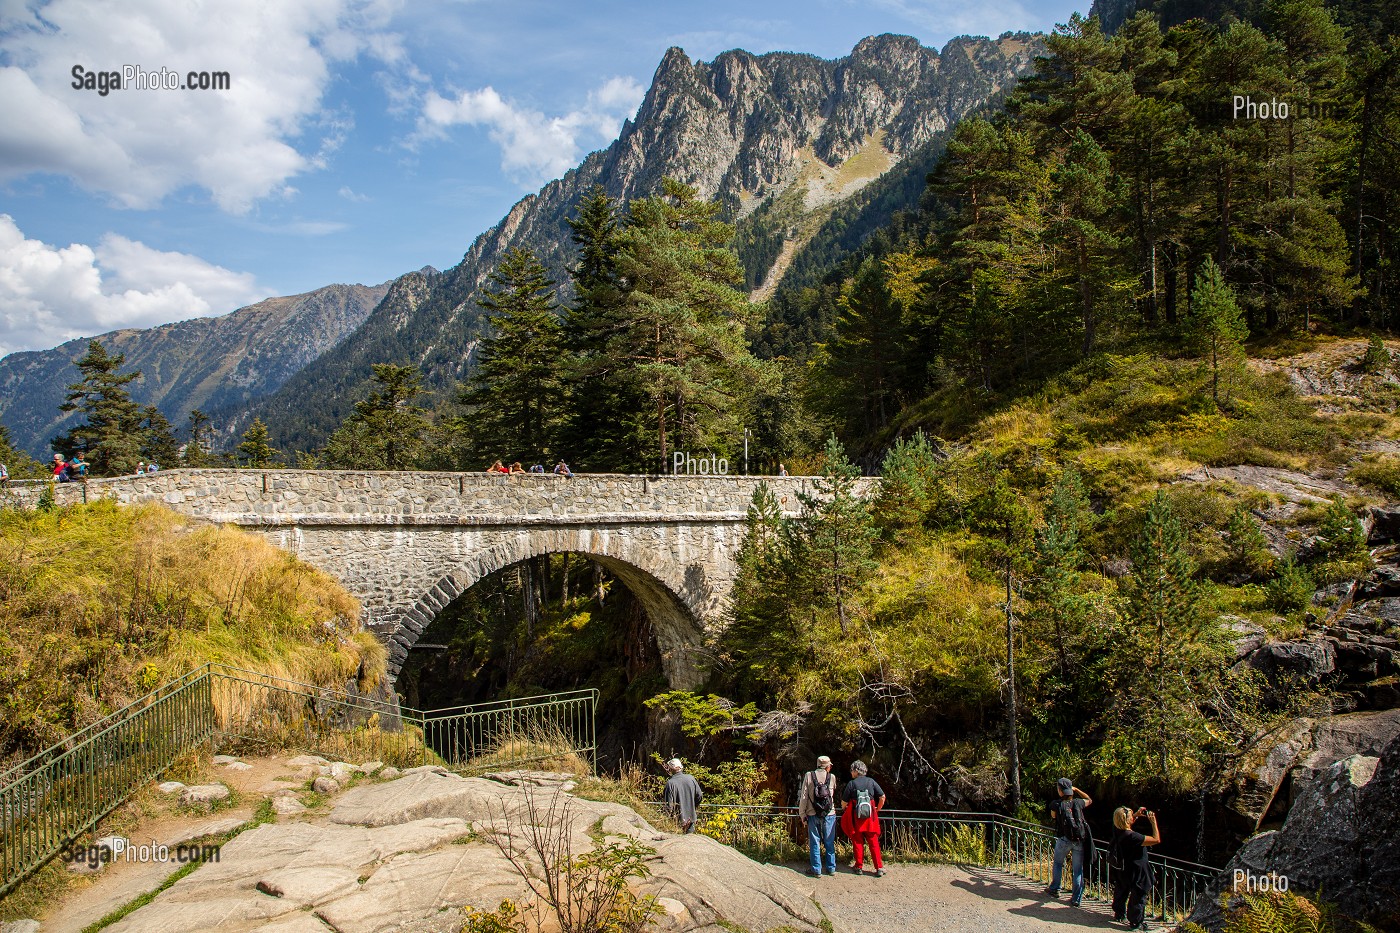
(407,544)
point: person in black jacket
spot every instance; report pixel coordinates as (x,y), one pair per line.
(1072,838)
(1134,879)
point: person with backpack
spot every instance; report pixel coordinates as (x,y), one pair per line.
(1072,838)
(1132,880)
(860,821)
(816,803)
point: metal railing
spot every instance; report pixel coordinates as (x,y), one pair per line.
(991,840)
(53,798)
(520,731)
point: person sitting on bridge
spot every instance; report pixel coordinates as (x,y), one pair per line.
(497,467)
(78,467)
(60,469)
(562,469)
(516,467)
(537,468)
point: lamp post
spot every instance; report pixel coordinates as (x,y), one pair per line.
(746,451)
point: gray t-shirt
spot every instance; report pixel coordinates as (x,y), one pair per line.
(683,794)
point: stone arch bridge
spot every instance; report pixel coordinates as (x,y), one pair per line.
(408,543)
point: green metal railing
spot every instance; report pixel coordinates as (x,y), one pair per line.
(988,839)
(52,799)
(520,731)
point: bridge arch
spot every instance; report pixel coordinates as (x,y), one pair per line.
(676,603)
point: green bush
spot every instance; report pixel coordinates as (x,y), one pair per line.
(1291,588)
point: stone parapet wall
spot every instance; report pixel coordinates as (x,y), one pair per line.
(335,497)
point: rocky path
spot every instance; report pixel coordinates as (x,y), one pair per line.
(949,899)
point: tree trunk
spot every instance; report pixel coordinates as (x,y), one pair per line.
(1013,743)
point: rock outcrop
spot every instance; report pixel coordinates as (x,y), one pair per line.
(410,854)
(1340,839)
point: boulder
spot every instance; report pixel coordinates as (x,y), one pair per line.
(1247,636)
(390,773)
(306,761)
(325,785)
(369,767)
(287,806)
(20,926)
(1385,524)
(308,886)
(170,787)
(1318,846)
(223,759)
(1294,662)
(1380,583)
(1291,757)
(338,770)
(203,794)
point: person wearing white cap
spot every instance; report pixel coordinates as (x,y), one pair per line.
(682,795)
(816,804)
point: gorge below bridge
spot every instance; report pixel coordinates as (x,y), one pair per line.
(407,544)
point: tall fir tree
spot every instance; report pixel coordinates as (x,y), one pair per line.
(386,430)
(198,447)
(515,403)
(158,438)
(254,450)
(110,434)
(1217,324)
(838,534)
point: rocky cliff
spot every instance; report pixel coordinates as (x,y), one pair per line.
(743,129)
(205,363)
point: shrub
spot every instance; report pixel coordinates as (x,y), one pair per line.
(1377,358)
(1291,588)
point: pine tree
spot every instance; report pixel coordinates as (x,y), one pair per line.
(386,430)
(865,363)
(515,400)
(679,335)
(197,448)
(838,533)
(254,450)
(158,440)
(1217,325)
(110,434)
(1169,642)
(1060,607)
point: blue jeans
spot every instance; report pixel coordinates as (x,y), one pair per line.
(1064,847)
(821,835)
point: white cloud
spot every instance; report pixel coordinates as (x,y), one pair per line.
(350,195)
(535,148)
(50,294)
(138,146)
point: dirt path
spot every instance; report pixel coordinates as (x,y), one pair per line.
(951,899)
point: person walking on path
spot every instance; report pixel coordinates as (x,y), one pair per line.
(816,803)
(1133,881)
(682,795)
(860,821)
(1072,836)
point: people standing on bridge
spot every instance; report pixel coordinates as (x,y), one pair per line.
(1072,837)
(782,470)
(60,469)
(860,821)
(1133,881)
(497,467)
(516,467)
(78,467)
(816,803)
(562,469)
(4,477)
(682,795)
(152,467)
(537,468)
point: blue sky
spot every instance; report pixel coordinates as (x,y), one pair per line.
(359,139)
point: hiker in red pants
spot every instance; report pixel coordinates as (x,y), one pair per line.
(861,819)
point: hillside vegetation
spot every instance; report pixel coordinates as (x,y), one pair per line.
(101,603)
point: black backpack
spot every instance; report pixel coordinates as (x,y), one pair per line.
(1070,823)
(821,793)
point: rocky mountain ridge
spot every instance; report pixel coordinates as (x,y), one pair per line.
(742,129)
(213,363)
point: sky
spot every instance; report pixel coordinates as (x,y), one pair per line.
(356,140)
